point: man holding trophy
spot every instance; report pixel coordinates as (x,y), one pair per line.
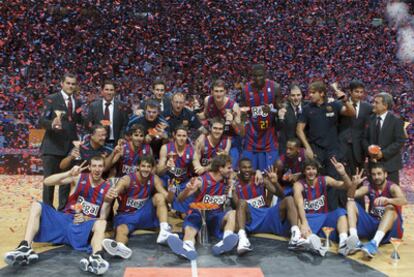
(60,115)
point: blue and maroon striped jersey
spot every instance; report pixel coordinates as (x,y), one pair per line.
(315,198)
(212,191)
(254,194)
(181,171)
(136,195)
(129,161)
(208,152)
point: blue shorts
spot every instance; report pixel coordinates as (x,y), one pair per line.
(214,220)
(236,143)
(261,160)
(319,220)
(144,218)
(182,206)
(57,227)
(267,220)
(367,226)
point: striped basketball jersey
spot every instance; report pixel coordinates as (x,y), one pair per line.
(373,193)
(291,165)
(254,194)
(136,195)
(208,152)
(129,161)
(260,130)
(90,197)
(181,171)
(214,111)
(315,198)
(212,191)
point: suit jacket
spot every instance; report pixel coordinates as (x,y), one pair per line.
(120,117)
(351,130)
(58,142)
(287,126)
(391,140)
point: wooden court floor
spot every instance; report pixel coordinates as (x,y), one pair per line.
(17,192)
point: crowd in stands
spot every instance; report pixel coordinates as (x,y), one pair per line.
(189,44)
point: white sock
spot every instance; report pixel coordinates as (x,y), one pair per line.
(226,233)
(242,233)
(164,226)
(353,232)
(342,238)
(295,231)
(189,242)
(378,237)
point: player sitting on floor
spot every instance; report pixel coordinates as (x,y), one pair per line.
(211,187)
(383,219)
(142,204)
(73,226)
(250,202)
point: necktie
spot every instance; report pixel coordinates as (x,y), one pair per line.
(377,130)
(297,111)
(70,108)
(355,107)
(107,116)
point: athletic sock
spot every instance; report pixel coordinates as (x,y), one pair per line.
(353,232)
(242,233)
(379,235)
(164,226)
(342,238)
(295,231)
(227,233)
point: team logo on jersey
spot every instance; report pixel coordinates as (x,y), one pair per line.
(377,211)
(88,208)
(127,169)
(214,199)
(257,202)
(314,204)
(258,111)
(136,203)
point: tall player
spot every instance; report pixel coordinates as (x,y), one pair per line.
(260,97)
(142,204)
(72,227)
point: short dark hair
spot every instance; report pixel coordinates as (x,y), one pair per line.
(294,85)
(148,159)
(219,161)
(136,127)
(107,82)
(295,141)
(158,81)
(68,75)
(244,159)
(96,127)
(318,86)
(216,119)
(378,165)
(355,83)
(181,127)
(313,163)
(152,104)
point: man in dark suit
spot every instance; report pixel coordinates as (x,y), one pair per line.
(60,116)
(386,130)
(158,94)
(351,129)
(288,117)
(109,112)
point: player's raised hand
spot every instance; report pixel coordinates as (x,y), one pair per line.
(357,178)
(271,172)
(77,169)
(340,168)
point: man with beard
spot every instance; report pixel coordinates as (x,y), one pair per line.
(93,147)
(384,219)
(261,98)
(209,146)
(75,224)
(250,202)
(142,205)
(211,187)
(311,197)
(175,165)
(130,150)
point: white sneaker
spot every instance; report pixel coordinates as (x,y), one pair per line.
(296,243)
(115,248)
(94,264)
(244,245)
(163,236)
(351,246)
(225,245)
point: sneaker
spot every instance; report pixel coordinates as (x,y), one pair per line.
(182,249)
(117,249)
(370,249)
(313,244)
(225,245)
(351,246)
(22,255)
(163,236)
(296,244)
(94,264)
(244,246)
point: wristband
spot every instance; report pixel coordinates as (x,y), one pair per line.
(350,199)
